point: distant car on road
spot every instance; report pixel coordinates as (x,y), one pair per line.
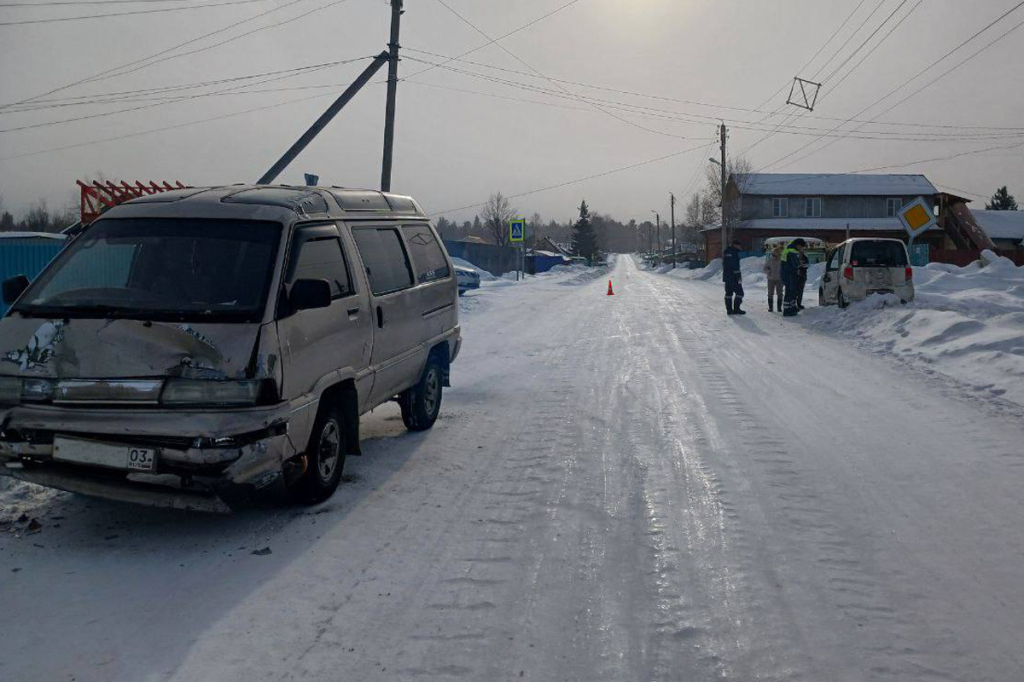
(468,279)
(860,267)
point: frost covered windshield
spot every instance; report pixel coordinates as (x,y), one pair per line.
(155,268)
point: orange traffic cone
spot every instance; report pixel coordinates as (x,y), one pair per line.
(610,292)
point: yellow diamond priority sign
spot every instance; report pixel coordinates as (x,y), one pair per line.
(917,217)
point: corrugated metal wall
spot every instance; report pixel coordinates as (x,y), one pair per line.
(26,256)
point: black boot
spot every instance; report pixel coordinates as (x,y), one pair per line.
(728,305)
(736,307)
(770,308)
(778,300)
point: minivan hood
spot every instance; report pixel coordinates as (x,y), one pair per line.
(119,348)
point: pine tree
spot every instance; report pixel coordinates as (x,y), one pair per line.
(584,239)
(1002,200)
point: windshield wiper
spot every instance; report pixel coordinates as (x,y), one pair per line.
(93,310)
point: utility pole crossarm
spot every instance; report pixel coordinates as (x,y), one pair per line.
(378,62)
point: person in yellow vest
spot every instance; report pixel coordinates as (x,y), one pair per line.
(791,266)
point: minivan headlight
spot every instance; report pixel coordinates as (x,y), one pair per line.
(10,390)
(210,392)
(15,390)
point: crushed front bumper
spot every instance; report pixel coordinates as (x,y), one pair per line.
(205,460)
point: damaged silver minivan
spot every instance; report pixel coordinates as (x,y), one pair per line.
(214,348)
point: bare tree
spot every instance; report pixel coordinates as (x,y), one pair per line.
(736,169)
(497,214)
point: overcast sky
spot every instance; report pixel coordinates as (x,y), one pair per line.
(461,137)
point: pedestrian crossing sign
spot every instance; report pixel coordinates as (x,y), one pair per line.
(517,230)
(917,217)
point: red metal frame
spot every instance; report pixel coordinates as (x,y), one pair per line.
(100,196)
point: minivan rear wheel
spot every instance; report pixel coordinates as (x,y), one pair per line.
(422,403)
(325,458)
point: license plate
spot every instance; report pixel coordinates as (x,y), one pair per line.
(114,456)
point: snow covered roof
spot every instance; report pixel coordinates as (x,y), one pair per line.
(834,184)
(815,224)
(32,235)
(1001,224)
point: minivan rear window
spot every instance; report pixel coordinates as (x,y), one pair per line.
(878,254)
(387,266)
(427,257)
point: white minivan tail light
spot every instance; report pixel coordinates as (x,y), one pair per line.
(208,392)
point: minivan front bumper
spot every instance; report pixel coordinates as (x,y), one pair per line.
(205,460)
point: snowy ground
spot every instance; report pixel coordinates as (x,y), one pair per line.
(633,487)
(966,323)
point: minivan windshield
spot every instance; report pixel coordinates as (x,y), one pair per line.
(177,269)
(878,254)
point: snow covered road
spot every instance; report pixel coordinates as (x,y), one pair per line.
(621,488)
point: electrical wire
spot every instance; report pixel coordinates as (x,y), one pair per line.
(503,37)
(182,98)
(553,82)
(907,82)
(116,71)
(53,20)
(595,176)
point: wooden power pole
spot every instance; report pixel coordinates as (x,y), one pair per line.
(389,116)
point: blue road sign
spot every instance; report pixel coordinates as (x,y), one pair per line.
(517,229)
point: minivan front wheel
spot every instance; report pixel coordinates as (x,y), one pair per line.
(325,458)
(422,403)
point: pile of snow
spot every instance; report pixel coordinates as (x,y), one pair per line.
(967,323)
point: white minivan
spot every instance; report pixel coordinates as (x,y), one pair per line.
(860,267)
(211,348)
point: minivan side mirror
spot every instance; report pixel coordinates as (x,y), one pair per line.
(14,287)
(306,294)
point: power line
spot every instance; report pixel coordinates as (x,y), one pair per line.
(163,128)
(634,93)
(666,114)
(110,73)
(865,42)
(579,180)
(83,2)
(500,38)
(53,20)
(908,81)
(847,42)
(553,82)
(182,98)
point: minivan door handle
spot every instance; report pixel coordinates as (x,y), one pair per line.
(380,317)
(352,312)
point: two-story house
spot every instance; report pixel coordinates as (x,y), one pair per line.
(826,206)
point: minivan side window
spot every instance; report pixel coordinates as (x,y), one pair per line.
(323,259)
(427,257)
(387,266)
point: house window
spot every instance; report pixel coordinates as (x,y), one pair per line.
(780,208)
(892,207)
(812,208)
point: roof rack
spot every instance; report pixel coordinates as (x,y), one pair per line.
(98,197)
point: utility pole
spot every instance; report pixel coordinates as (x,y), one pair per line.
(657,221)
(389,116)
(321,123)
(675,246)
(725,180)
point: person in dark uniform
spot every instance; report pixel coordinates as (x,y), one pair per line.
(801,283)
(791,275)
(733,279)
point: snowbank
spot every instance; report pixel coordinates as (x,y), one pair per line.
(967,323)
